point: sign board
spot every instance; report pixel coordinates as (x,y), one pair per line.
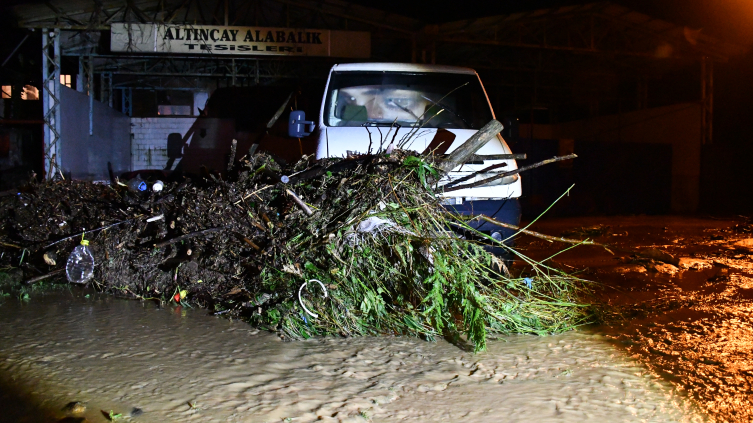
(237,40)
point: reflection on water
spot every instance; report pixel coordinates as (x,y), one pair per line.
(182,365)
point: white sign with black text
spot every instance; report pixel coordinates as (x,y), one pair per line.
(210,40)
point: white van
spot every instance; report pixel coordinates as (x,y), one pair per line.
(371,107)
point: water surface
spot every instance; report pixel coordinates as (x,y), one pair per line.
(180,364)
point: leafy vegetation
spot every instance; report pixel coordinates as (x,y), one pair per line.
(409,275)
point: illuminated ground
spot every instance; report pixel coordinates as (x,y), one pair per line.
(692,326)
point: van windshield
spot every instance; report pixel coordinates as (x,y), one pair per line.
(431,100)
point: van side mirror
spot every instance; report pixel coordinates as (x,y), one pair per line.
(298,126)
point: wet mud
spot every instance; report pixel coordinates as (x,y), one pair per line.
(175,364)
(677,295)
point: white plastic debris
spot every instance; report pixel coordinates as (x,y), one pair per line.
(309,312)
(156,218)
(373,224)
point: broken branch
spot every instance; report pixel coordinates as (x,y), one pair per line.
(230,162)
(81,233)
(188,236)
(42,277)
(549,238)
(300,203)
(474,174)
(511,172)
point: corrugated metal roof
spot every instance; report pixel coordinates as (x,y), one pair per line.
(78,14)
(610,28)
(602,27)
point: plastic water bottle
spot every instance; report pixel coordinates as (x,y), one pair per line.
(80,265)
(137,184)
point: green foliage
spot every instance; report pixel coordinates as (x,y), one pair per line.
(112,416)
(422,169)
(412,277)
(6,279)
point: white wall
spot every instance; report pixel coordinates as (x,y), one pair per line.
(199,102)
(149,139)
(84,155)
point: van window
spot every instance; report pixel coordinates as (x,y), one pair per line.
(430,100)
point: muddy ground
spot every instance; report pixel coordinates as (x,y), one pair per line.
(676,293)
(161,364)
(685,314)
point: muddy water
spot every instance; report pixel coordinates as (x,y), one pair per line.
(690,324)
(181,365)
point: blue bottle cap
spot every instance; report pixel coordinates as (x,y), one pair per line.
(141,186)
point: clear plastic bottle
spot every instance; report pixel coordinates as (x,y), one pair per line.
(80,265)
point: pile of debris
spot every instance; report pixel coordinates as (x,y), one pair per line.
(354,246)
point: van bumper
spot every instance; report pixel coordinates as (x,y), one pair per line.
(503,210)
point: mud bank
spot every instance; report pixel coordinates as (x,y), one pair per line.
(688,320)
(178,364)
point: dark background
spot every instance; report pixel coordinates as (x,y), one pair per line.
(726,179)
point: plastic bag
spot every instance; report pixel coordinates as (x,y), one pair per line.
(374,224)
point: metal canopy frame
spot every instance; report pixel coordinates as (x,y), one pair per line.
(51,102)
(238,70)
(600,28)
(98,14)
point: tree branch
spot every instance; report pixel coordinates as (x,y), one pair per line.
(511,172)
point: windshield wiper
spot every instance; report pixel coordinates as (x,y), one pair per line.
(385,124)
(448,109)
(405,109)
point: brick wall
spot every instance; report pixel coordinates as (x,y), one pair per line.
(149,140)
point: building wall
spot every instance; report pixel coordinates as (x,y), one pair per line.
(86,156)
(16,165)
(10,149)
(678,126)
(149,139)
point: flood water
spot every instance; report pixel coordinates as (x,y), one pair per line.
(177,364)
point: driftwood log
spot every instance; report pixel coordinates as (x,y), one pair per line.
(466,150)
